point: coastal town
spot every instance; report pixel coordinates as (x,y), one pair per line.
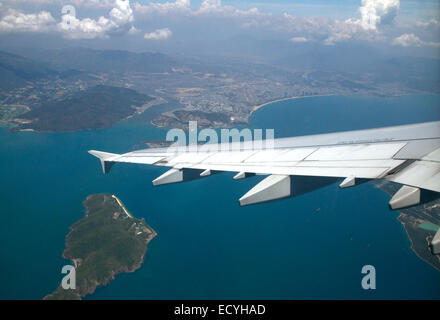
(213,93)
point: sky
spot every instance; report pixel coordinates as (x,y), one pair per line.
(405,25)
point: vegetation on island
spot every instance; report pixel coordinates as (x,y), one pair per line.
(94,108)
(106,242)
(420,222)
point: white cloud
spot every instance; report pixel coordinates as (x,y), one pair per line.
(133,30)
(255,12)
(376,12)
(122,12)
(298,39)
(119,21)
(159,34)
(37,2)
(411,40)
(209,5)
(215,7)
(179,6)
(207,8)
(408,40)
(373,13)
(117,17)
(432,23)
(92,3)
(96,4)
(15,21)
(74,28)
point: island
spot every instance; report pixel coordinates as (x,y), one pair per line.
(104,243)
(420,222)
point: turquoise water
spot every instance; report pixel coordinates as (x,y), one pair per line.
(312,246)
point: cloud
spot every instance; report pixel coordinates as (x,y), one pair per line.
(95,4)
(215,8)
(408,40)
(376,12)
(210,5)
(298,39)
(133,30)
(183,7)
(15,21)
(373,13)
(74,28)
(159,34)
(432,23)
(179,6)
(122,14)
(119,22)
(411,40)
(108,18)
(91,3)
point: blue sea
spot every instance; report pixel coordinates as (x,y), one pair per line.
(208,247)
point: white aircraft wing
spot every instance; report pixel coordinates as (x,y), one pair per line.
(409,155)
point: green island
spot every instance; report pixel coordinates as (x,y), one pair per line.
(106,242)
(420,223)
(93,108)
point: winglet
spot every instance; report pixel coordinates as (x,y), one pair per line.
(106,159)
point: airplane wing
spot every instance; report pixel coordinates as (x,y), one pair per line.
(409,155)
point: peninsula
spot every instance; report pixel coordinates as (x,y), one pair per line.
(93,108)
(420,224)
(106,242)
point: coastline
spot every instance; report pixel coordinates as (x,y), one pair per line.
(255,108)
(151,230)
(412,246)
(122,206)
(403,220)
(91,287)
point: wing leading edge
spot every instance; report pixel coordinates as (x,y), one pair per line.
(408,155)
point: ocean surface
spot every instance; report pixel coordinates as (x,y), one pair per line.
(208,247)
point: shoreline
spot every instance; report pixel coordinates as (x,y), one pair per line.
(151,234)
(122,206)
(150,229)
(255,108)
(412,247)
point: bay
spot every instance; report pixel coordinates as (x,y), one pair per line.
(208,247)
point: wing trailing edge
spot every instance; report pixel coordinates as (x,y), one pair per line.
(408,155)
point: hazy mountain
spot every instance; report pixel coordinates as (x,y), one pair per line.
(16,71)
(89,60)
